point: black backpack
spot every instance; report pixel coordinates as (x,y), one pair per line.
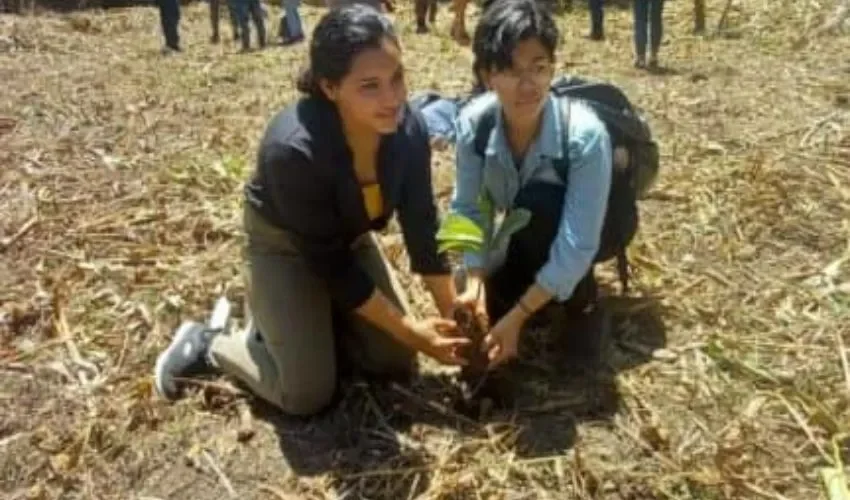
(627,129)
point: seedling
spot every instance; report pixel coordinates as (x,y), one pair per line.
(459,234)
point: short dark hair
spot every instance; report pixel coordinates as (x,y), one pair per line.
(338,38)
(506,23)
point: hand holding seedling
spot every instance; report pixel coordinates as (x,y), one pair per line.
(501,343)
(461,234)
(438,338)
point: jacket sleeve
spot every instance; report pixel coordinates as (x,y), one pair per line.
(417,210)
(585,203)
(304,201)
(469,176)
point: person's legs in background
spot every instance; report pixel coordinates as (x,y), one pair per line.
(420,8)
(459,32)
(640,36)
(169,17)
(215,6)
(597,19)
(234,19)
(291,28)
(699,16)
(433,5)
(246,12)
(240,8)
(656,24)
(258,16)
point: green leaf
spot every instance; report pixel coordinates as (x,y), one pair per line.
(514,221)
(459,231)
(458,246)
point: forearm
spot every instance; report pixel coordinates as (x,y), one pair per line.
(443,290)
(534,299)
(381,312)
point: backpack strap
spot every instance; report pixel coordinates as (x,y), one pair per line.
(562,165)
(483,129)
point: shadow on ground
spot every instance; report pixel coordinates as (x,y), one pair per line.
(369,442)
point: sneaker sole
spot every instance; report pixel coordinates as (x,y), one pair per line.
(167,388)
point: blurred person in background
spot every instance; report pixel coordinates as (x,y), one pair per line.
(169,18)
(648,17)
(291,30)
(247,11)
(597,19)
(215,10)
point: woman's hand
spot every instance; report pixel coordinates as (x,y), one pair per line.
(501,344)
(438,338)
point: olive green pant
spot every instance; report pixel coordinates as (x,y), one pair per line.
(290,357)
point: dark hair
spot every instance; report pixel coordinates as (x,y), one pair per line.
(503,25)
(338,38)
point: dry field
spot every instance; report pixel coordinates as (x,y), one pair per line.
(120,183)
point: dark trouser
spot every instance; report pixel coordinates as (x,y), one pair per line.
(597,16)
(246,11)
(169,17)
(529,251)
(215,9)
(699,16)
(648,16)
(426,10)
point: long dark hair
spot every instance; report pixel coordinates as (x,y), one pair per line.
(338,38)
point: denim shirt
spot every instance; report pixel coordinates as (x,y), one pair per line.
(586,197)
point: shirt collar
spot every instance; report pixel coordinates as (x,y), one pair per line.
(549,140)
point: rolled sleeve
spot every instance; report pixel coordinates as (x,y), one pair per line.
(418,210)
(469,171)
(301,199)
(585,204)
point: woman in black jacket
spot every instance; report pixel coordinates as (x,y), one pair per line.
(333,167)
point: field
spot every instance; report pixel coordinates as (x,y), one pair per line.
(120,192)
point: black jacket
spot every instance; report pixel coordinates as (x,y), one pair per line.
(305,183)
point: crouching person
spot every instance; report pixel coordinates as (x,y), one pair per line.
(511,142)
(333,167)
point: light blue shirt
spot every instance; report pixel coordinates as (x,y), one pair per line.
(588,185)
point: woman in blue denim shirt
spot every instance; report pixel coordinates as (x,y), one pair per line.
(550,260)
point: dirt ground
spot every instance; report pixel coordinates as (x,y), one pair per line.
(120,194)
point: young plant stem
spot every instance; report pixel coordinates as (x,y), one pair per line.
(474,374)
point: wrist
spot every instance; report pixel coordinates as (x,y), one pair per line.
(412,335)
(519,313)
(408,325)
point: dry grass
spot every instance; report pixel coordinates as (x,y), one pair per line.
(119,215)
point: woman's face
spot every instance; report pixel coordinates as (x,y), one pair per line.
(373,92)
(522,89)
